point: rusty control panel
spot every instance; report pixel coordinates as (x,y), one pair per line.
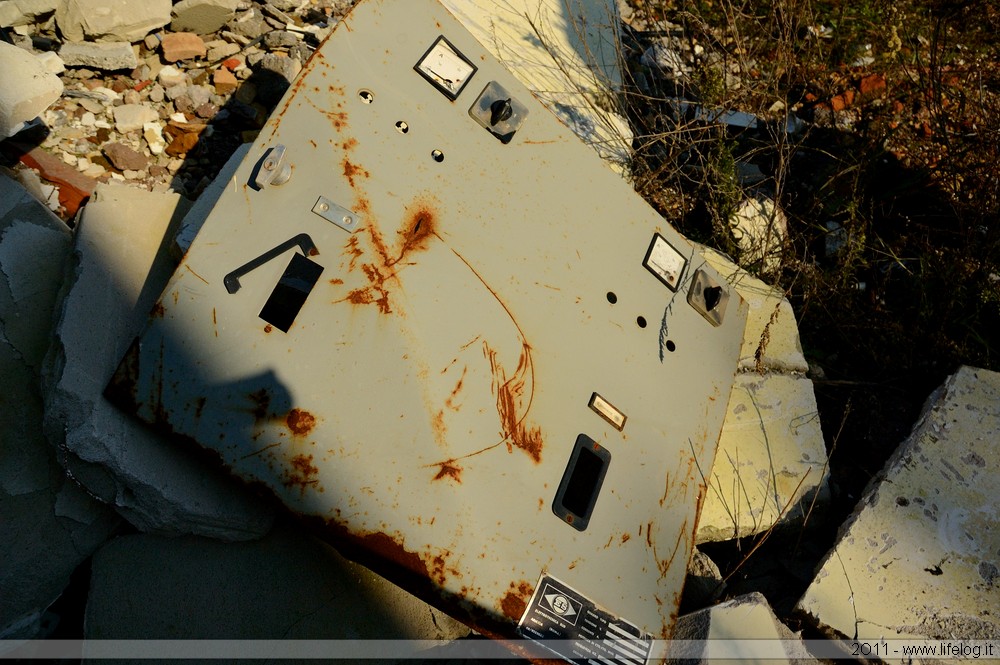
(430,321)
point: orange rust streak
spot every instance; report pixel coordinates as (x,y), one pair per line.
(195,274)
(450,471)
(450,402)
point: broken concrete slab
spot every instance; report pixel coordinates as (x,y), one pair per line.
(771,461)
(202,16)
(111,20)
(120,267)
(771,340)
(109,56)
(46,527)
(741,630)
(704,583)
(567,54)
(920,556)
(287,585)
(28,89)
(24,12)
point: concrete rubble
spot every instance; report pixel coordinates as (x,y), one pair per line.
(111,20)
(920,556)
(285,586)
(741,630)
(121,265)
(48,526)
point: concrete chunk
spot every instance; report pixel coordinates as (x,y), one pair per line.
(46,527)
(121,268)
(742,630)
(28,88)
(919,556)
(771,460)
(202,16)
(285,586)
(771,340)
(24,12)
(111,20)
(109,56)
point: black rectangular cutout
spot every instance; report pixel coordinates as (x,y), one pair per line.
(290,294)
(581,482)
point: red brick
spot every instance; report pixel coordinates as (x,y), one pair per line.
(182,46)
(872,84)
(74,187)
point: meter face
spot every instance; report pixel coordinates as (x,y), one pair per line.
(431,322)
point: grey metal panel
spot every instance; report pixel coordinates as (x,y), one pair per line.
(422,407)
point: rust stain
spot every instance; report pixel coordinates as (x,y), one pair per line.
(625,538)
(300,421)
(215,322)
(450,402)
(349,144)
(336,282)
(261,404)
(510,398)
(449,469)
(158,310)
(268,328)
(354,251)
(351,170)
(419,225)
(199,407)
(302,474)
(515,601)
(313,143)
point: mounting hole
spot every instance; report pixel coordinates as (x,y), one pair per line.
(671,347)
(402,127)
(612,298)
(641,321)
(437,155)
(367,96)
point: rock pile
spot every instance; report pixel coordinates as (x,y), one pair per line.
(155,94)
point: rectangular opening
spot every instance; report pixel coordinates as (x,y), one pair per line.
(290,294)
(581,482)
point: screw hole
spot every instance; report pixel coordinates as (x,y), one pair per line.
(437,155)
(366,96)
(641,321)
(671,347)
(612,298)
(402,127)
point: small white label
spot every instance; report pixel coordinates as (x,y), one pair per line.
(665,262)
(606,410)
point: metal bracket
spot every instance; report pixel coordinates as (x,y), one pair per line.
(338,214)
